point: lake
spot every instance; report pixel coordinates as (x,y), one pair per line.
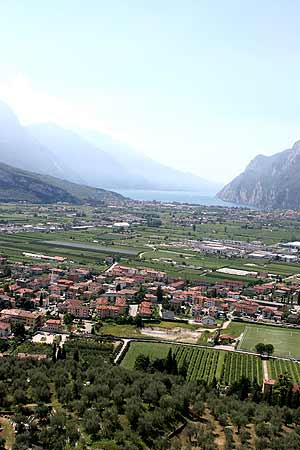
(173,196)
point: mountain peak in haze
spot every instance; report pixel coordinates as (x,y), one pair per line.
(148,173)
(19,149)
(88,158)
(7,114)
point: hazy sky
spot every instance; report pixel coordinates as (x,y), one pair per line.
(200,85)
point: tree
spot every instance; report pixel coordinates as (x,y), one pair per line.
(142,362)
(72,433)
(239,420)
(133,409)
(169,361)
(58,356)
(139,321)
(269,349)
(54,351)
(141,293)
(42,411)
(20,396)
(260,348)
(63,354)
(18,329)
(281,389)
(159,295)
(68,319)
(183,369)
(76,355)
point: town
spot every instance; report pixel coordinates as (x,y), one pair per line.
(216,289)
(58,291)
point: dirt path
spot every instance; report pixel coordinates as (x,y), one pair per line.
(8,432)
(174,334)
(265,369)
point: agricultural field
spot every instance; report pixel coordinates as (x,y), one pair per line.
(144,245)
(284,340)
(278,367)
(202,363)
(237,365)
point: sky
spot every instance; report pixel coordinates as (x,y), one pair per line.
(202,86)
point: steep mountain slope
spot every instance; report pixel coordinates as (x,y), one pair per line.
(19,149)
(94,159)
(150,174)
(101,161)
(21,185)
(88,163)
(268,182)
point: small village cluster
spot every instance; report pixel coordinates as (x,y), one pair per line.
(39,296)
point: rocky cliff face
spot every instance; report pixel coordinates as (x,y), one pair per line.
(268,182)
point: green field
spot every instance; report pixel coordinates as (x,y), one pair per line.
(234,328)
(120,330)
(201,363)
(284,340)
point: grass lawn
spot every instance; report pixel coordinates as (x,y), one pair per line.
(285,340)
(235,328)
(155,350)
(121,330)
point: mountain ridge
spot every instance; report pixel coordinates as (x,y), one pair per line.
(97,161)
(164,177)
(268,182)
(21,185)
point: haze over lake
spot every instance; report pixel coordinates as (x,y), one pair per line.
(173,196)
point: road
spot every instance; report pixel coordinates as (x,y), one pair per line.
(93,248)
(111,267)
(123,348)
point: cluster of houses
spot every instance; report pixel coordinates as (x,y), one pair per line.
(40,295)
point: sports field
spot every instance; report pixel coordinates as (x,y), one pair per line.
(286,341)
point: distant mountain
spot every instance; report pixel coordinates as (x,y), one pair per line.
(85,162)
(147,173)
(269,182)
(19,149)
(88,158)
(99,160)
(21,185)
